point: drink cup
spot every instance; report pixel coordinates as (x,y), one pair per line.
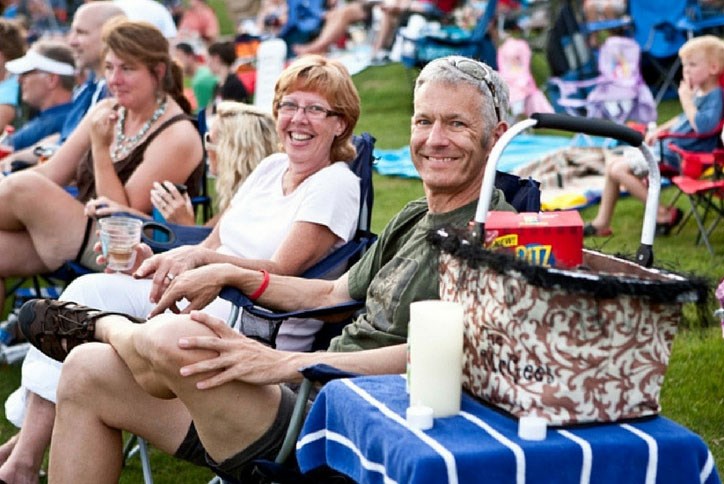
(119,236)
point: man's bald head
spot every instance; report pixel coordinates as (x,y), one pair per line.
(85,34)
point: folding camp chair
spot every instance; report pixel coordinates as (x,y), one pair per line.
(568,54)
(702,182)
(661,28)
(514,57)
(304,21)
(450,40)
(668,171)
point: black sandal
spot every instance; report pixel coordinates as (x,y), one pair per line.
(56,327)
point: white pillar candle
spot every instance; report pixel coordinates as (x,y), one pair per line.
(435,339)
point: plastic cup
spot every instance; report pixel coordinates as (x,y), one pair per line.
(119,236)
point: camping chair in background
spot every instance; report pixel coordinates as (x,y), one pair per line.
(304,21)
(668,171)
(617,94)
(661,28)
(429,44)
(702,182)
(569,56)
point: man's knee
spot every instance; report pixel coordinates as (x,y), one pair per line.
(83,371)
(353,12)
(157,343)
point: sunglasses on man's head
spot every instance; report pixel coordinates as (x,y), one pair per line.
(479,72)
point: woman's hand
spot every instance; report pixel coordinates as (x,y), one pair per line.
(239,357)
(103,122)
(141,253)
(198,286)
(102,207)
(169,265)
(174,206)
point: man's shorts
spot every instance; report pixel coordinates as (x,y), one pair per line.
(240,466)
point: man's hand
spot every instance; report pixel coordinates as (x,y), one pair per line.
(198,286)
(239,358)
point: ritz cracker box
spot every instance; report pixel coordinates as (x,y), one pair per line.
(549,239)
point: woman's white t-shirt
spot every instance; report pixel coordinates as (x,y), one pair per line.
(260,215)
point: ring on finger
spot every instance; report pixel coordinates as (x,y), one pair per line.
(170,277)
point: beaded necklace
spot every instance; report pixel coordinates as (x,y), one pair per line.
(124,144)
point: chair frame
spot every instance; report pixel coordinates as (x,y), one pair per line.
(705,195)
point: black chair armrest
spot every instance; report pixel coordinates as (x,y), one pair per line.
(324,373)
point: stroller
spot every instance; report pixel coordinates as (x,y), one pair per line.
(514,67)
(618,93)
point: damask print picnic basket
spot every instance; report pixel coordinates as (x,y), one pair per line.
(587,344)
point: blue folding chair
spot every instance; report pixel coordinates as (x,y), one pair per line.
(304,21)
(451,40)
(661,28)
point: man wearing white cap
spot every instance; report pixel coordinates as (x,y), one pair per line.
(46,79)
(85,41)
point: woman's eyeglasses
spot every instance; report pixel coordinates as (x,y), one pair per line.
(313,111)
(479,72)
(208,144)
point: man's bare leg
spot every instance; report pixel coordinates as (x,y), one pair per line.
(99,395)
(335,26)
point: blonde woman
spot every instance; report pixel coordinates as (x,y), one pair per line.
(240,137)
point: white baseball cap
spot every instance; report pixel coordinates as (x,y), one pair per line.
(34,61)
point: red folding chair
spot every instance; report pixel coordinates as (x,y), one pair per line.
(702,183)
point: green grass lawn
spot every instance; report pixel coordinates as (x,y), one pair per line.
(693,393)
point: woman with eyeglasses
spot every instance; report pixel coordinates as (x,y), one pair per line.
(293,209)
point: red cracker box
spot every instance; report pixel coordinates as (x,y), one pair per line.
(543,238)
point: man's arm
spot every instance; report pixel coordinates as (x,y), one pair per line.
(243,359)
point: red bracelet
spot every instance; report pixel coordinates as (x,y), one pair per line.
(262,287)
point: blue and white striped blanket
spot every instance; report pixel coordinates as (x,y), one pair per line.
(358,427)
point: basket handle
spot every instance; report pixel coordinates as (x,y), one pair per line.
(595,127)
